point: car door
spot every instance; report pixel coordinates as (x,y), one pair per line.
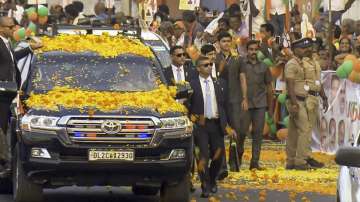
(354,173)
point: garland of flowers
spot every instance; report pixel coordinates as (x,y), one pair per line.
(105,45)
(160,99)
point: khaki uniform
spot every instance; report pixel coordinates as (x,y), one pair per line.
(306,74)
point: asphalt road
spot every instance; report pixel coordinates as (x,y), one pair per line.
(117,194)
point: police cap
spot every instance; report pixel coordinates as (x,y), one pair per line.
(302,43)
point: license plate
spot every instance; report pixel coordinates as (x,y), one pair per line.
(114,155)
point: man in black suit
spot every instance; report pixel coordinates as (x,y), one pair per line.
(208,112)
(179,71)
(8,72)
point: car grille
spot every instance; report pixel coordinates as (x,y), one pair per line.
(133,130)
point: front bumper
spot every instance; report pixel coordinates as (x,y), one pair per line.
(69,164)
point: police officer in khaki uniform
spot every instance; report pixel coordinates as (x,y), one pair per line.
(304,88)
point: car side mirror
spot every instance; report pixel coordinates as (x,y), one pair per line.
(348,156)
(183,91)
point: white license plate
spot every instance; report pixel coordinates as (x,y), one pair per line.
(116,155)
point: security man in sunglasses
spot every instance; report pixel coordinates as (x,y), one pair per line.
(179,71)
(303,76)
(208,111)
(9,73)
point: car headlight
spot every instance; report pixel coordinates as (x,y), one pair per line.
(182,122)
(29,122)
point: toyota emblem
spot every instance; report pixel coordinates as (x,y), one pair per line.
(111,127)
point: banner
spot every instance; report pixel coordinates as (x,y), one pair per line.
(188,4)
(341,123)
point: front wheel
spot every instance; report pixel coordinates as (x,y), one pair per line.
(176,193)
(24,189)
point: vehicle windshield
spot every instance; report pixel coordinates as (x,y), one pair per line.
(89,71)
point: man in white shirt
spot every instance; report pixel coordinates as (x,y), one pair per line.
(277,9)
(9,73)
(338,7)
(209,51)
(179,71)
(208,110)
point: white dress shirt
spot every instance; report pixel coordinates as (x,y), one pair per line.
(277,6)
(7,44)
(175,70)
(213,71)
(336,5)
(17,14)
(212,94)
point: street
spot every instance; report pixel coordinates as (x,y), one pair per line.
(116,194)
(273,184)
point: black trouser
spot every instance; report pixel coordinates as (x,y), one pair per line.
(278,21)
(4,114)
(210,141)
(4,120)
(256,117)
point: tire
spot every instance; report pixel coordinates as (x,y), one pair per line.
(143,190)
(6,186)
(24,190)
(176,193)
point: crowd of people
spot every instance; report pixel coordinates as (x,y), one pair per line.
(233,90)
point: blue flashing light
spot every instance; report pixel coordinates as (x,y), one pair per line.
(78,134)
(143,135)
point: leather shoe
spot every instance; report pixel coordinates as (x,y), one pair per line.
(255,166)
(303,167)
(314,163)
(289,167)
(223,174)
(205,194)
(213,188)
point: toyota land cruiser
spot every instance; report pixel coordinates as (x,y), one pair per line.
(86,120)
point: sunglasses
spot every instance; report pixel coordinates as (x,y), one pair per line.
(207,64)
(180,55)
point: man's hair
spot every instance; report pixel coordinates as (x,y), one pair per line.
(200,59)
(207,48)
(174,48)
(251,42)
(234,9)
(224,20)
(269,28)
(78,5)
(71,10)
(164,9)
(189,16)
(223,34)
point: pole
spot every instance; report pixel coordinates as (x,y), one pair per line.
(330,36)
(251,4)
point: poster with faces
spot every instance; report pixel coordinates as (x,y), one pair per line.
(341,123)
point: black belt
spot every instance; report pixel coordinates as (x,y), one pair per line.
(313,93)
(212,120)
(310,92)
